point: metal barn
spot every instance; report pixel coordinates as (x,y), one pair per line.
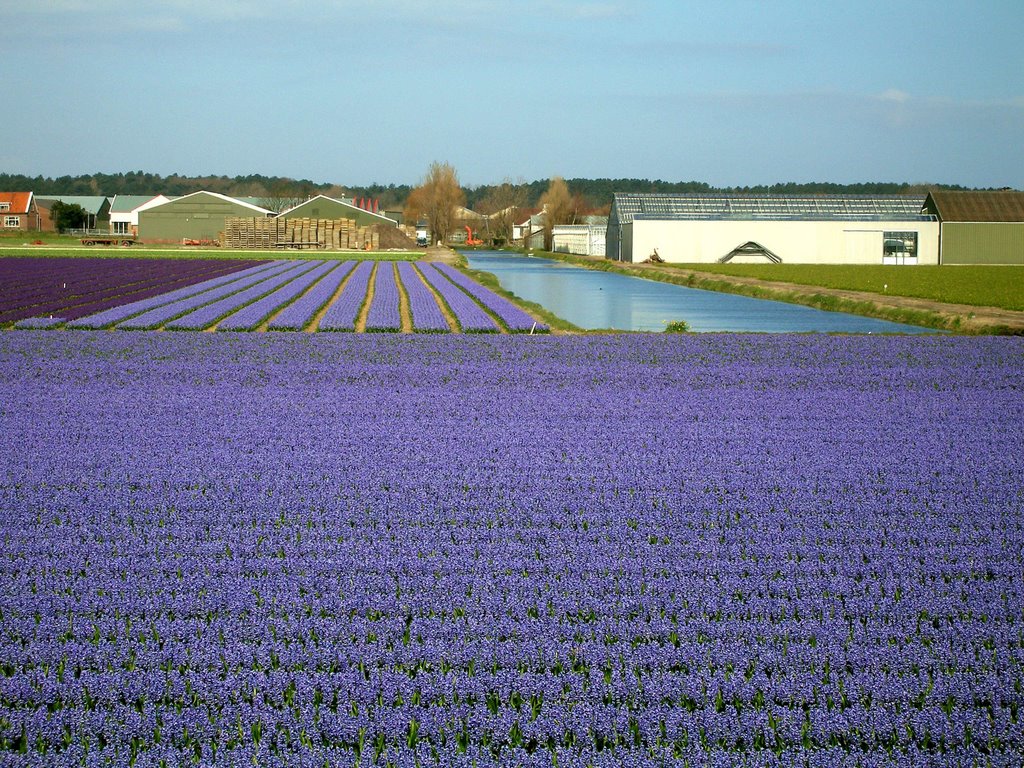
(199,216)
(979,227)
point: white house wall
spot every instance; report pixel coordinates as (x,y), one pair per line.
(130,219)
(795,242)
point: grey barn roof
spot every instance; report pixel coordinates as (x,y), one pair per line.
(629,206)
(980,206)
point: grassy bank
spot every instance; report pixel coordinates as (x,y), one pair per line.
(943,282)
(980,285)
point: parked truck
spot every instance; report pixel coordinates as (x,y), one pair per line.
(95,237)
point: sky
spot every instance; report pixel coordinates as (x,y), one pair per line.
(732,92)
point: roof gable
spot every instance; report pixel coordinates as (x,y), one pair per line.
(17,202)
(525,215)
(314,202)
(199,196)
(128,203)
(998,206)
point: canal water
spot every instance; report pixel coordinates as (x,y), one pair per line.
(604,300)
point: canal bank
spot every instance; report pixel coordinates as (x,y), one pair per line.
(957,318)
(597,300)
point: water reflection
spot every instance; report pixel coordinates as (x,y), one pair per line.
(604,300)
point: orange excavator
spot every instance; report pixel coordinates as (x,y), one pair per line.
(470,240)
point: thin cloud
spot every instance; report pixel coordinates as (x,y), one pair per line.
(895,95)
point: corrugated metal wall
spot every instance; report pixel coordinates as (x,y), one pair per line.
(982,243)
(199,218)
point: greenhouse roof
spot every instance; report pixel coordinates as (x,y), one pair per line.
(627,207)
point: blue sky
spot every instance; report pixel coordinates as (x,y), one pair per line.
(731,92)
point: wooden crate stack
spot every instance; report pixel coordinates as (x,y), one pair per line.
(263,234)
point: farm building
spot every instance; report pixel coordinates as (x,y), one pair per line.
(979,227)
(18,211)
(124,212)
(586,239)
(96,207)
(199,216)
(323,207)
(528,228)
(811,229)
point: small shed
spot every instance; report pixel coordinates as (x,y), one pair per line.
(199,216)
(979,227)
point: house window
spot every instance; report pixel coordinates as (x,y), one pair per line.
(5,207)
(899,247)
(12,222)
(120,227)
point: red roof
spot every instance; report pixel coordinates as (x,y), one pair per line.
(20,201)
(523,215)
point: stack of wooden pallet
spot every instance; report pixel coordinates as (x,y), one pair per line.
(263,234)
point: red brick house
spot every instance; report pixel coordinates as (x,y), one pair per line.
(18,211)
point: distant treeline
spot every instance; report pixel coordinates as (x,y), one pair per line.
(597,193)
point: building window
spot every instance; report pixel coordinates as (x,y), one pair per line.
(12,222)
(899,247)
(120,227)
(5,207)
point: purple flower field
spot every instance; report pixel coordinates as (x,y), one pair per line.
(71,288)
(623,550)
(188,294)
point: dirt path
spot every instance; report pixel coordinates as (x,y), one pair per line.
(360,325)
(438,253)
(453,324)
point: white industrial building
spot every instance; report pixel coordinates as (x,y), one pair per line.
(804,229)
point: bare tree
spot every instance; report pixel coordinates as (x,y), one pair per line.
(559,207)
(501,206)
(436,199)
(284,194)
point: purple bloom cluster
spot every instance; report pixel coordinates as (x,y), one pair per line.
(384,313)
(512,316)
(342,314)
(163,312)
(40,322)
(471,318)
(75,287)
(301,312)
(122,312)
(251,315)
(208,314)
(426,313)
(489,550)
